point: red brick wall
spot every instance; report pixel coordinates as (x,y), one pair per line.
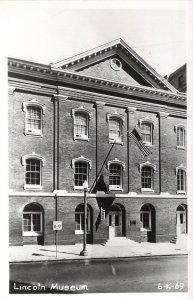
(20,145)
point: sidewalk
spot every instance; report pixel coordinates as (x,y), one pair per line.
(125,248)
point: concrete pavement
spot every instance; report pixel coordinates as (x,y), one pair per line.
(115,248)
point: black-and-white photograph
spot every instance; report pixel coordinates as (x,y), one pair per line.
(97,147)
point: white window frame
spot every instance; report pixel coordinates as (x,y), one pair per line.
(153,170)
(33,155)
(89,165)
(81,110)
(32,233)
(122,168)
(151,123)
(183,169)
(177,128)
(121,120)
(149,215)
(81,231)
(33,103)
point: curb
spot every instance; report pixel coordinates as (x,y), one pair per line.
(96,258)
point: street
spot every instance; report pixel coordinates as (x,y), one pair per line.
(144,274)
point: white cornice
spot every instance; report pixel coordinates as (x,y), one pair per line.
(117,84)
(95,82)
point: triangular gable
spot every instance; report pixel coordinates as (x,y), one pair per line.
(104,62)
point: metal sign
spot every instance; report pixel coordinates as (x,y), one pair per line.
(102,214)
(57,225)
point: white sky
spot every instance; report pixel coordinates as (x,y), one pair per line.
(45,33)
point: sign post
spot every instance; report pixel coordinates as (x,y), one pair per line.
(57,225)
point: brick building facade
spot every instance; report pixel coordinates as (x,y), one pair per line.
(107,117)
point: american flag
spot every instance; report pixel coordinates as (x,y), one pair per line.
(135,135)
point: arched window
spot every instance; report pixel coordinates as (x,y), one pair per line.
(33,170)
(147,171)
(115,168)
(32,220)
(145,216)
(79,219)
(81,167)
(181,180)
(115,128)
(81,123)
(180,135)
(33,117)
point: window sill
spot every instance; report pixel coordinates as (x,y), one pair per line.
(81,138)
(180,148)
(147,190)
(32,233)
(32,187)
(81,188)
(115,142)
(114,188)
(148,144)
(36,134)
(81,232)
(181,192)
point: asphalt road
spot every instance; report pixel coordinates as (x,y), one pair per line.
(150,274)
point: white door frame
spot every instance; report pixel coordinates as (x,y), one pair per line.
(181,221)
(115,223)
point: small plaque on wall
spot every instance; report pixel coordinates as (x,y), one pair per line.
(133,222)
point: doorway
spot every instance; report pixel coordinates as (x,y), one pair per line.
(181,218)
(115,221)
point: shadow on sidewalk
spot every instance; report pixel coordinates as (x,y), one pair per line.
(58,252)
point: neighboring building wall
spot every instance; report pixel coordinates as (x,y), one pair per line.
(178,79)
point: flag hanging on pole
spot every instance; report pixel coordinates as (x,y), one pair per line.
(135,135)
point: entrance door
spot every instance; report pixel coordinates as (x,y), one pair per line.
(115,222)
(181,220)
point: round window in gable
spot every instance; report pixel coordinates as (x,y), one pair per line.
(115,64)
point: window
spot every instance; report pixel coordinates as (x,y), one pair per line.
(33,117)
(145,217)
(32,220)
(80,173)
(115,121)
(81,167)
(116,168)
(33,171)
(115,126)
(180,137)
(147,132)
(181,181)
(147,178)
(81,123)
(147,171)
(115,177)
(79,219)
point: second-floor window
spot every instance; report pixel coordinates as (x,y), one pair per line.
(181,181)
(80,173)
(33,170)
(115,176)
(147,178)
